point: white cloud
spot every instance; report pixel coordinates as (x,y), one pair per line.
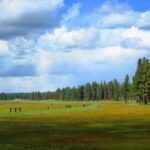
(3,47)
(134,32)
(63,38)
(85,38)
(114,20)
(43,61)
(26,84)
(114,7)
(13,9)
(91,57)
(114,15)
(107,47)
(19,18)
(144,20)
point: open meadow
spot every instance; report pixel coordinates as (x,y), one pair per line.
(52,125)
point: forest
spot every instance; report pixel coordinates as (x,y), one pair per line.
(137,88)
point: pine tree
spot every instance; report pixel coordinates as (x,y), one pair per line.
(141,80)
(111,90)
(116,90)
(81,92)
(105,91)
(94,91)
(87,92)
(126,89)
(98,92)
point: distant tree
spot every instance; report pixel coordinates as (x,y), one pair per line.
(38,96)
(67,93)
(56,95)
(87,92)
(98,92)
(81,92)
(94,90)
(62,94)
(126,89)
(102,91)
(116,90)
(3,96)
(105,91)
(111,90)
(33,95)
(74,94)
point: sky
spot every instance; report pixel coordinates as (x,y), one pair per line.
(50,44)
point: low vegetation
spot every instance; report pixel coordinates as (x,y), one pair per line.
(50,125)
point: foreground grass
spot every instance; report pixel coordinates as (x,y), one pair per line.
(104,125)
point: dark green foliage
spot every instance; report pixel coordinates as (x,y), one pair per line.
(126,89)
(94,90)
(3,96)
(81,92)
(141,81)
(117,90)
(111,90)
(99,91)
(88,92)
(36,96)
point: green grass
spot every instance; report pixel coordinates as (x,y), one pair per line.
(100,126)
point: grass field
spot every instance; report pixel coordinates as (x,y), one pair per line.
(49,125)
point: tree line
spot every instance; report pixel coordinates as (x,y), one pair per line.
(90,91)
(138,89)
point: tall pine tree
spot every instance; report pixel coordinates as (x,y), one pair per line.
(141,80)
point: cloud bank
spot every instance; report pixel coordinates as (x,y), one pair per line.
(46,45)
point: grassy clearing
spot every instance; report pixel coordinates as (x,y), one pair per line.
(30,108)
(102,125)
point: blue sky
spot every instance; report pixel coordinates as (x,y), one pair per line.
(137,5)
(59,43)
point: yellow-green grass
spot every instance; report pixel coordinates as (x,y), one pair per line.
(100,125)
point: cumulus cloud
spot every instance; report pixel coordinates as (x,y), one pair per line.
(21,48)
(114,15)
(114,7)
(3,47)
(115,20)
(63,39)
(101,44)
(144,22)
(111,14)
(23,17)
(140,35)
(80,66)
